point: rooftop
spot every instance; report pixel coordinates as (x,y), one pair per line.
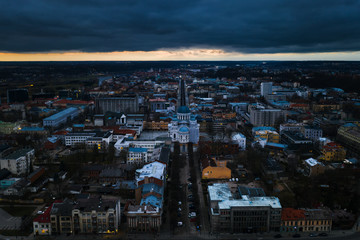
(63,113)
(154,169)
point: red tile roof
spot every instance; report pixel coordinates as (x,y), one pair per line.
(291,214)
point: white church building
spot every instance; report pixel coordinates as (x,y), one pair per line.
(184,127)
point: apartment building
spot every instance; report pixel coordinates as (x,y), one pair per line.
(244,210)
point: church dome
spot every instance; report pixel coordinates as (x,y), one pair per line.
(183,109)
(184,129)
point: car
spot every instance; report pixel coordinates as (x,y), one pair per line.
(40,212)
(296,235)
(323,234)
(192,214)
(180,224)
(313,235)
(179,209)
(278,236)
(179,203)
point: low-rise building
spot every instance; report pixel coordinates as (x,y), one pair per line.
(61,117)
(313,167)
(306,220)
(333,152)
(312,132)
(239,139)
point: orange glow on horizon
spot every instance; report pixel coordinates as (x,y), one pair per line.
(173,55)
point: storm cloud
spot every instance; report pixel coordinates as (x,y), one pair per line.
(247,26)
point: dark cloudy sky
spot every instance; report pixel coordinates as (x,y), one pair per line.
(232,26)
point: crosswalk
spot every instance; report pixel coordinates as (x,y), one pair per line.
(12,223)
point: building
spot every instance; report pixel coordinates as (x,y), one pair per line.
(137,156)
(244,211)
(291,127)
(98,138)
(61,117)
(145,214)
(312,132)
(42,223)
(213,168)
(239,139)
(333,152)
(153,147)
(261,116)
(305,220)
(295,140)
(93,215)
(265,88)
(349,136)
(17,95)
(8,127)
(313,167)
(126,104)
(19,161)
(184,128)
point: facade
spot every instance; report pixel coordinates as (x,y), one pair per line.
(126,104)
(247,210)
(184,127)
(313,167)
(312,132)
(145,214)
(260,116)
(333,152)
(89,138)
(291,127)
(19,161)
(61,117)
(306,220)
(349,136)
(137,156)
(239,139)
(265,88)
(85,216)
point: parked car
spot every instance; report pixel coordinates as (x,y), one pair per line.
(323,234)
(296,235)
(313,235)
(192,214)
(180,224)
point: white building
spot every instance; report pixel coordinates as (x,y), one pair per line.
(240,139)
(19,161)
(137,156)
(88,138)
(184,128)
(312,132)
(265,88)
(153,147)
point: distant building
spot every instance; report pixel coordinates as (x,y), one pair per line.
(17,95)
(265,88)
(61,117)
(244,211)
(126,104)
(99,139)
(261,116)
(213,168)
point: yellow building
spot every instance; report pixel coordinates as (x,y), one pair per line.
(270,136)
(305,220)
(156,125)
(215,169)
(333,152)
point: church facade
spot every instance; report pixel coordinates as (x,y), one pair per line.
(184,127)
